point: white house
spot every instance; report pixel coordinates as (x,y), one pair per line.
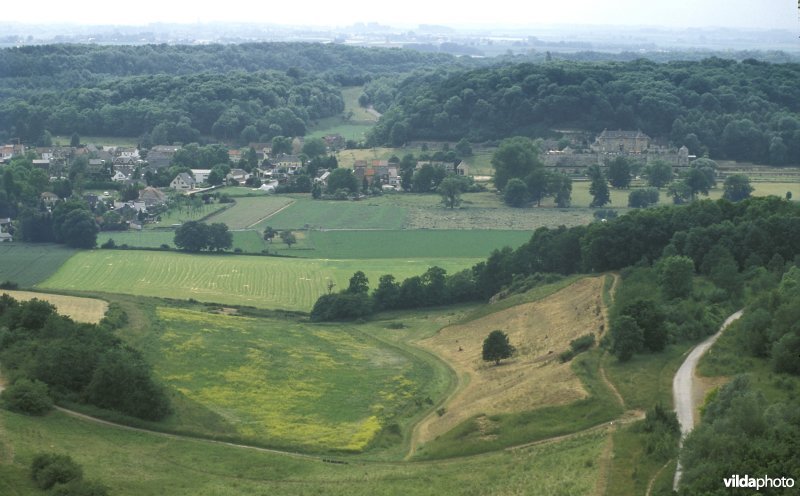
(182,182)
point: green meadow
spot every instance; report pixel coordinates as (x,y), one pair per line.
(263,282)
(28,264)
(277,382)
(136,464)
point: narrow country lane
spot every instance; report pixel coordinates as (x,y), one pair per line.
(683,387)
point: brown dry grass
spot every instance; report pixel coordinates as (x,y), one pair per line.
(534,377)
(78,309)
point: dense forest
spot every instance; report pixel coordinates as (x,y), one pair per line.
(267,89)
(737,110)
(221,105)
(66,66)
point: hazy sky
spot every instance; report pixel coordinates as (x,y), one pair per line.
(671,13)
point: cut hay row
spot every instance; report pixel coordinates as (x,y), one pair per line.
(264,282)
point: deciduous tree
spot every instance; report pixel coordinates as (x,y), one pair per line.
(496,347)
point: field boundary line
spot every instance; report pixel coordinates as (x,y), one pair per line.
(271,214)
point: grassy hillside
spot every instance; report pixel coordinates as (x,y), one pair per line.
(136,464)
(282,383)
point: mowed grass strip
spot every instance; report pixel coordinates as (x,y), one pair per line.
(263,282)
(28,264)
(284,383)
(88,310)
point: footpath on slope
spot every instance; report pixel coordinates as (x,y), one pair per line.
(683,387)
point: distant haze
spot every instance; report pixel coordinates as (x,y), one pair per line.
(757,14)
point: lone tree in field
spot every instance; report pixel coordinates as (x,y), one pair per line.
(289,238)
(496,347)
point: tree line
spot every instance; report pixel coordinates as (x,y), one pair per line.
(744,110)
(80,363)
(752,233)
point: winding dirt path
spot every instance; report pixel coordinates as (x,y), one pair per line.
(683,388)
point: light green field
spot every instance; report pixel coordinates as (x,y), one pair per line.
(420,211)
(136,464)
(284,383)
(30,263)
(349,130)
(175,216)
(264,282)
(403,243)
(247,241)
(249,211)
(350,96)
(368,214)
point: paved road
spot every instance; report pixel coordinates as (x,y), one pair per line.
(683,387)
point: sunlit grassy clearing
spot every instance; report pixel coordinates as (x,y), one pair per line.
(264,282)
(135,464)
(284,383)
(79,309)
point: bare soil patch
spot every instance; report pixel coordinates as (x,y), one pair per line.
(78,309)
(534,377)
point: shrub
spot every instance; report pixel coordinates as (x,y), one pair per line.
(341,306)
(26,396)
(9,285)
(49,469)
(109,245)
(582,343)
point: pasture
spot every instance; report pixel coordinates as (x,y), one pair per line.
(136,464)
(249,211)
(401,243)
(263,282)
(179,215)
(368,214)
(247,241)
(79,309)
(30,263)
(279,382)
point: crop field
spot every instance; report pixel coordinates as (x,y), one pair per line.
(401,244)
(29,264)
(264,282)
(78,309)
(533,377)
(249,211)
(284,383)
(136,464)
